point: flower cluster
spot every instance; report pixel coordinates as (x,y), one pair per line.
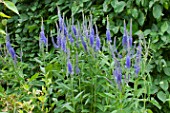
(86,36)
(10,49)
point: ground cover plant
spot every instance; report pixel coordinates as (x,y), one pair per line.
(74,63)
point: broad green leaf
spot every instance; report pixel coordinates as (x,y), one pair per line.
(162,96)
(11,6)
(115,29)
(74,8)
(135,13)
(167,70)
(154,102)
(119,6)
(4,22)
(141,18)
(105,7)
(153,89)
(157,11)
(166,5)
(149,111)
(2,32)
(164,26)
(147,32)
(164,85)
(4,15)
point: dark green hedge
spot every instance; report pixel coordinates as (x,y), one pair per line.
(150,17)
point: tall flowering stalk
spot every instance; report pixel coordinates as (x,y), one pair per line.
(10,49)
(125,36)
(130,37)
(108,31)
(117,73)
(98,44)
(92,35)
(128,45)
(43,38)
(137,59)
(85,30)
(73,27)
(82,38)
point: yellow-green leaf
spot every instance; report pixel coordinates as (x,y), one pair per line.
(11,6)
(2,32)
(4,15)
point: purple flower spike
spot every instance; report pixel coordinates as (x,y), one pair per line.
(92,37)
(60,23)
(108,31)
(128,61)
(43,38)
(137,60)
(130,38)
(70,38)
(118,77)
(77,70)
(65,30)
(125,37)
(98,45)
(12,52)
(10,49)
(63,45)
(69,67)
(83,43)
(54,44)
(130,41)
(137,69)
(74,29)
(108,35)
(59,41)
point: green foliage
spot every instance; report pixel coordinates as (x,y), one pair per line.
(150,18)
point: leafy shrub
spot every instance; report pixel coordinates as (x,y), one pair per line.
(148,17)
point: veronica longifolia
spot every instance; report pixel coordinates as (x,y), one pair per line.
(10,48)
(125,37)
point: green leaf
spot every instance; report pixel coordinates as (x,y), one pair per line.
(11,6)
(34,77)
(167,70)
(118,6)
(115,29)
(162,96)
(149,111)
(70,108)
(164,26)
(147,32)
(135,13)
(157,11)
(153,89)
(154,102)
(4,15)
(164,85)
(110,95)
(105,7)
(79,94)
(74,8)
(2,32)
(141,18)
